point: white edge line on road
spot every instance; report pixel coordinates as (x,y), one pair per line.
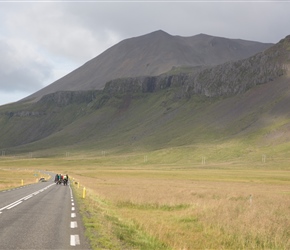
(21,200)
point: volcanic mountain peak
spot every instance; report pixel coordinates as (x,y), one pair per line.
(151,55)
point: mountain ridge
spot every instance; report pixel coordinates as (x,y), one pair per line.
(225,79)
(151,55)
(244,102)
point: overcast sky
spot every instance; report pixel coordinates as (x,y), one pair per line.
(41,41)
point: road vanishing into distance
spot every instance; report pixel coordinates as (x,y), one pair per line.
(40,216)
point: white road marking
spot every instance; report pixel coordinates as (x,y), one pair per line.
(74,240)
(14,205)
(73,224)
(27,197)
(72,204)
(9,205)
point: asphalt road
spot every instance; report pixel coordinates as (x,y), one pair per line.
(40,216)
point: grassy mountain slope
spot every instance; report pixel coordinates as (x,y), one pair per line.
(172,128)
(222,129)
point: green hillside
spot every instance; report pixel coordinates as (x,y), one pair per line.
(165,128)
(233,112)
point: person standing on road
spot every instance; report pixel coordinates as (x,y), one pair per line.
(64,180)
(56,178)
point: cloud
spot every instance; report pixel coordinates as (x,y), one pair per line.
(40,43)
(62,33)
(21,67)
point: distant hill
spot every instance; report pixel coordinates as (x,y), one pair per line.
(238,109)
(151,55)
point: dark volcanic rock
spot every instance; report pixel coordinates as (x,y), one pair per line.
(222,80)
(64,98)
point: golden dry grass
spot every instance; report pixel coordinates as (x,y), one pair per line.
(207,207)
(15,177)
(200,209)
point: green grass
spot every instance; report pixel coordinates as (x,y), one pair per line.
(160,126)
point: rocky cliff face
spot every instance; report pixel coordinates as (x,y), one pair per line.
(143,84)
(64,98)
(223,80)
(227,79)
(237,77)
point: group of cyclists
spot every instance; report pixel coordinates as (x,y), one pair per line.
(61,179)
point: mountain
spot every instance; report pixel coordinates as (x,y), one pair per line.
(225,79)
(238,109)
(151,55)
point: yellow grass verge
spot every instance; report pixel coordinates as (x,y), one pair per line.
(186,211)
(15,177)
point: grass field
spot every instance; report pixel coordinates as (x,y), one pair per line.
(16,176)
(200,208)
(134,202)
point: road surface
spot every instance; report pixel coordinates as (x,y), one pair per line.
(40,216)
